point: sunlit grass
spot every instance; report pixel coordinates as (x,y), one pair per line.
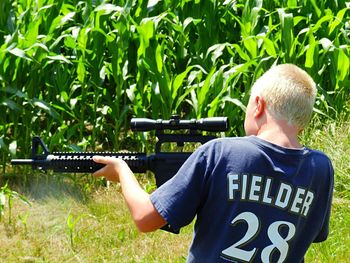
(336,247)
(107,233)
(334,139)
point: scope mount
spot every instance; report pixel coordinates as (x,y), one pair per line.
(180,139)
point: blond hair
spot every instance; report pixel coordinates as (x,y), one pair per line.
(289,93)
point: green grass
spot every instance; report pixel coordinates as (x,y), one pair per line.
(334,139)
(103,230)
(336,247)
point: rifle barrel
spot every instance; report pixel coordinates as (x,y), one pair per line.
(22,161)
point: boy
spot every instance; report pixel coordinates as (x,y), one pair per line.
(259,198)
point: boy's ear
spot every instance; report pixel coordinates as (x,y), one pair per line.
(260,106)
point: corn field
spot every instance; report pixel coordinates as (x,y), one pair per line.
(75,72)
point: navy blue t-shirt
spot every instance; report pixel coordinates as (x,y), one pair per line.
(253,201)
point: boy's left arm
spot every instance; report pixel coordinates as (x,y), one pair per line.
(143,212)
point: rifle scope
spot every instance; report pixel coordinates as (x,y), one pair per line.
(213,124)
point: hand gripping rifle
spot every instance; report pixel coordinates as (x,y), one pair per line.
(164,165)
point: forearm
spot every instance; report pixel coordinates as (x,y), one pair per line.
(134,195)
(145,216)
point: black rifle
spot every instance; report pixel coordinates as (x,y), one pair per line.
(164,165)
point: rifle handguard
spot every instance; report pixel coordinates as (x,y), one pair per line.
(82,162)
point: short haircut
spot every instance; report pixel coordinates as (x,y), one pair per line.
(289,93)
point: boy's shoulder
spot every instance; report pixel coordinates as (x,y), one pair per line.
(253,143)
(227,142)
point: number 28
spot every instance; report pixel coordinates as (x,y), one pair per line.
(278,242)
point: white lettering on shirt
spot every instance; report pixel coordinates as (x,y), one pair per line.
(257,188)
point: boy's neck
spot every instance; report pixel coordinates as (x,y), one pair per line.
(282,135)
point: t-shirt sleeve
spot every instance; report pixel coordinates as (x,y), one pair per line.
(323,234)
(178,199)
